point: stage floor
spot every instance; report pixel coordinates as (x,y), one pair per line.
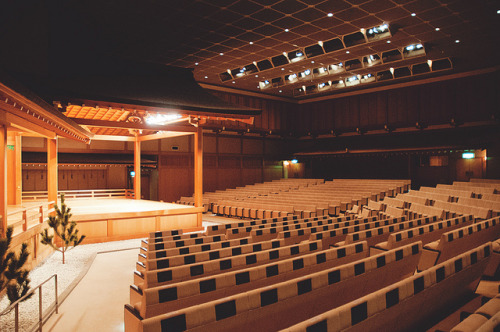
(80,208)
(109,219)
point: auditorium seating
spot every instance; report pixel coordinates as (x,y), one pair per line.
(165,276)
(483,318)
(191,258)
(455,242)
(407,305)
(332,236)
(146,254)
(377,234)
(426,233)
(268,274)
(163,299)
(274,307)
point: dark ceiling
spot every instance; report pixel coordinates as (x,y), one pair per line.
(213,37)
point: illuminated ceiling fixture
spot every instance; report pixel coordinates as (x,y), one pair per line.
(324,85)
(353,80)
(457,41)
(286,30)
(291,78)
(379,32)
(264,84)
(413,14)
(371,60)
(295,56)
(437,29)
(196,63)
(162,119)
(331,14)
(305,73)
(413,50)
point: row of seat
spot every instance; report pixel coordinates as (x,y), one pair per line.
(164,276)
(282,304)
(158,300)
(409,304)
(485,318)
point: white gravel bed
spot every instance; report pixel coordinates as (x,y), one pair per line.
(78,261)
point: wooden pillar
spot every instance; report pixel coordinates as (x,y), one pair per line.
(3,179)
(137,167)
(198,172)
(52,176)
(14,169)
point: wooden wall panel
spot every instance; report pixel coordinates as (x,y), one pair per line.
(229,145)
(209,179)
(62,180)
(466,99)
(174,183)
(251,175)
(253,146)
(209,144)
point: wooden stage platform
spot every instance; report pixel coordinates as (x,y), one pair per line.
(112,219)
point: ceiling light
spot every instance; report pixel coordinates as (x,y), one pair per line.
(221,53)
(206,76)
(413,14)
(196,63)
(347,52)
(234,82)
(251,43)
(498,11)
(286,30)
(320,43)
(160,119)
(256,75)
(281,91)
(312,61)
(282,68)
(331,14)
(388,42)
(437,29)
(457,41)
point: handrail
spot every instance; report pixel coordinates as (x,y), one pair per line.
(15,305)
(47,207)
(84,193)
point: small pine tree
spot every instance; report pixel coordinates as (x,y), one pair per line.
(63,228)
(12,275)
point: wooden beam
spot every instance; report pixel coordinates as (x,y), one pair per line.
(24,125)
(163,135)
(52,176)
(137,168)
(14,168)
(16,103)
(113,138)
(3,179)
(132,125)
(198,172)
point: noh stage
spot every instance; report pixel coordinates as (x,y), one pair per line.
(113,219)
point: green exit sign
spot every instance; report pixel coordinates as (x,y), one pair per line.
(10,147)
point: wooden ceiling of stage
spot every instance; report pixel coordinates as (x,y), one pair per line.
(129,119)
(109,121)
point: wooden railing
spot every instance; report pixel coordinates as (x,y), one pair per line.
(29,216)
(91,193)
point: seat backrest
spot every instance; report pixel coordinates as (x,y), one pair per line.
(423,295)
(275,307)
(163,299)
(426,233)
(455,242)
